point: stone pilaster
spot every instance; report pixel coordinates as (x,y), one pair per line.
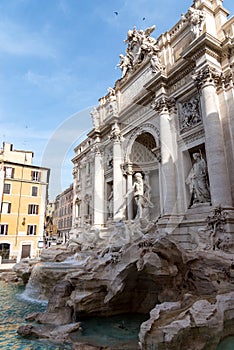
(164,106)
(118,203)
(98,188)
(206,80)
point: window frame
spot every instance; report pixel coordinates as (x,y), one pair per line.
(34,188)
(33,228)
(33,209)
(5,229)
(6,185)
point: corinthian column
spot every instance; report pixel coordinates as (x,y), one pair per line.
(98,188)
(220,189)
(168,174)
(118,205)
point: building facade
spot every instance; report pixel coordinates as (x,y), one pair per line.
(23,197)
(62,219)
(162,145)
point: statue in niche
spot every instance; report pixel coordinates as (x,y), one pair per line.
(198,180)
(141,193)
(190,113)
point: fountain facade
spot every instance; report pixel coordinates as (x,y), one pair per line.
(153,192)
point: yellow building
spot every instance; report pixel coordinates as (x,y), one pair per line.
(23,199)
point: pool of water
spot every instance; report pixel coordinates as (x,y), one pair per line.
(227,344)
(112,331)
(15,305)
(13,309)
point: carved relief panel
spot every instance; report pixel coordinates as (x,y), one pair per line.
(189,113)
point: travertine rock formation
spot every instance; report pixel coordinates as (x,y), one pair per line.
(189,294)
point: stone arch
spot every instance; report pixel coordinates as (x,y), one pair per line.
(143,155)
(143,135)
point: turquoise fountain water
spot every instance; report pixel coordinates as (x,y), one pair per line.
(116,330)
(15,304)
(13,309)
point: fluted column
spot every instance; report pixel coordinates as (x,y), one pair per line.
(220,189)
(98,188)
(168,174)
(118,204)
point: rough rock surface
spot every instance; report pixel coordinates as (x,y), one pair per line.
(189,294)
(24,268)
(10,277)
(58,334)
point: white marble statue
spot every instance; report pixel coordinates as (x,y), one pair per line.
(141,193)
(95,117)
(197,180)
(140,45)
(196,18)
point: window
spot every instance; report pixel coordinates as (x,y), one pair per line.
(7,188)
(31,230)
(9,172)
(34,191)
(6,208)
(33,209)
(35,175)
(3,229)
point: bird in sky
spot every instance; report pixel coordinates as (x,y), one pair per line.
(116,13)
(143,18)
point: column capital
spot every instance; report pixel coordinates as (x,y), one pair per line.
(207,75)
(97,149)
(164,104)
(127,168)
(115,134)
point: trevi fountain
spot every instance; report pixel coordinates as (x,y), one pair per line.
(152,235)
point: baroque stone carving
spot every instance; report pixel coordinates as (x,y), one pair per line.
(142,194)
(196,18)
(95,117)
(198,180)
(140,45)
(115,133)
(205,75)
(113,109)
(164,104)
(190,113)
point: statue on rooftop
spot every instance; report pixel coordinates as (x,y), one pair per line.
(140,45)
(196,18)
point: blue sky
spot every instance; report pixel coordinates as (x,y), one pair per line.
(57,58)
